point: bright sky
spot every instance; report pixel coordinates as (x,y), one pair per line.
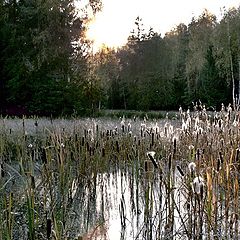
(112,26)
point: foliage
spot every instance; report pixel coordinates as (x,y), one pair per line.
(41,44)
(47,67)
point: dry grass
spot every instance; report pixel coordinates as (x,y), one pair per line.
(165,179)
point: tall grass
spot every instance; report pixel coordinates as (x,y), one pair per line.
(164,179)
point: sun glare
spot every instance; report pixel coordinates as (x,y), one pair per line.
(112,26)
(104,34)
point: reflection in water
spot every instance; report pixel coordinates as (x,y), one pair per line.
(130,205)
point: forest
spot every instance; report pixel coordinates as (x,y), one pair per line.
(48,66)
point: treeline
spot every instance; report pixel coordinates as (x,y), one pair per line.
(198,61)
(47,66)
(43,56)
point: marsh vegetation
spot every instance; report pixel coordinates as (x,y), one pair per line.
(121,179)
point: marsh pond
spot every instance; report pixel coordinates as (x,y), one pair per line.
(120,178)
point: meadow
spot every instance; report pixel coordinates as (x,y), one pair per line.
(126,178)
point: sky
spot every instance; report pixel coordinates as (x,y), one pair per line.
(113,24)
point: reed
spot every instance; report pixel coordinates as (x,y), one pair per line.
(177,178)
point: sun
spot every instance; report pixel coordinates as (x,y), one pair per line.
(102,33)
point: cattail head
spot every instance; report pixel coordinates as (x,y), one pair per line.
(223,107)
(49,228)
(117,147)
(151,155)
(180,170)
(143,126)
(2,170)
(218,164)
(32,182)
(103,152)
(180,110)
(199,130)
(174,145)
(198,185)
(221,157)
(237,155)
(30,145)
(129,127)
(43,155)
(184,125)
(190,147)
(192,167)
(123,125)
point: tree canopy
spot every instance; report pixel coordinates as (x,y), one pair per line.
(47,66)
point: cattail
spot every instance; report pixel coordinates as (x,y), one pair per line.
(44,155)
(174,145)
(146,166)
(49,228)
(83,141)
(2,171)
(88,147)
(201,190)
(192,167)
(117,146)
(165,130)
(170,162)
(191,148)
(129,127)
(103,152)
(220,123)
(198,154)
(123,126)
(237,155)
(90,150)
(151,155)
(97,145)
(218,164)
(198,186)
(32,182)
(221,157)
(180,170)
(152,138)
